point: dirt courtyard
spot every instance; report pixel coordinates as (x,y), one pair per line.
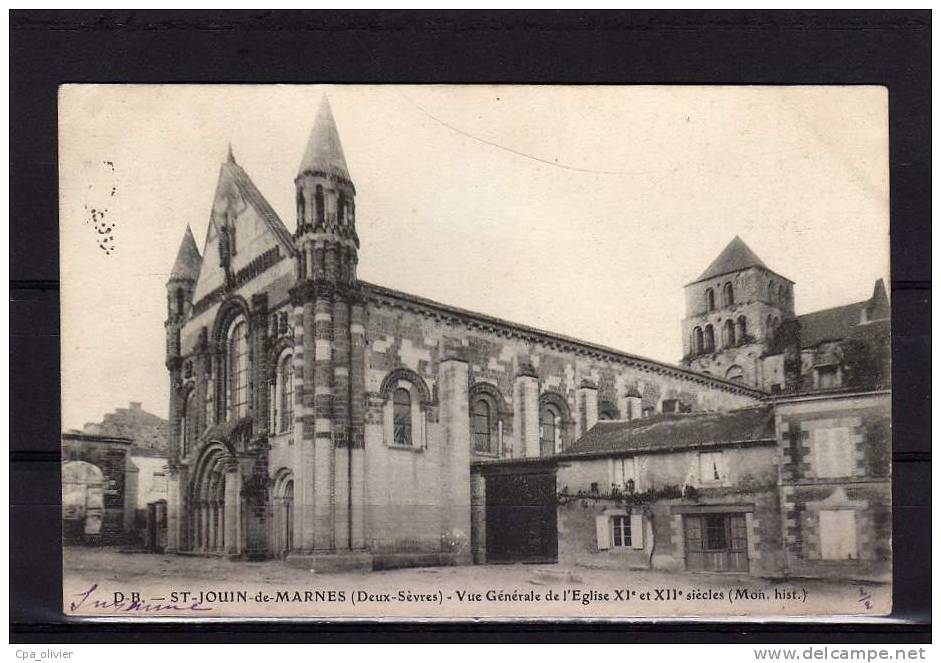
(102,582)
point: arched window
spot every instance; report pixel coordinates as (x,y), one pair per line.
(402,417)
(735,373)
(710,339)
(236,362)
(285,393)
(710,300)
(549,429)
(771,291)
(742,329)
(769,328)
(318,204)
(188,424)
(481,425)
(180,300)
(728,297)
(782,294)
(697,341)
(728,333)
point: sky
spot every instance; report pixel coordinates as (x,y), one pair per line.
(582,210)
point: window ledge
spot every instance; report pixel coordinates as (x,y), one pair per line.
(405,447)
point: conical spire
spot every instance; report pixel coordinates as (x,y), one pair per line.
(188,261)
(324,153)
(734,257)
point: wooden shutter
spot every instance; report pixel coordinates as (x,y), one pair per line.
(602,535)
(637,531)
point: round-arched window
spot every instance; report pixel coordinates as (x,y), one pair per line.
(549,420)
(236,364)
(402,417)
(481,420)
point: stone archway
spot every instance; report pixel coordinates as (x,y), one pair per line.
(283,508)
(83,507)
(215,504)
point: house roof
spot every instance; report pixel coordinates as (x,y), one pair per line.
(735,257)
(839,322)
(667,432)
(324,152)
(188,261)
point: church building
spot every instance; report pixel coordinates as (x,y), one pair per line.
(334,422)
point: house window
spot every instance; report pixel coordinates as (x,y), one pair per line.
(621,531)
(286,393)
(838,534)
(237,370)
(710,300)
(480,426)
(833,454)
(727,296)
(549,418)
(710,467)
(828,377)
(402,417)
(623,474)
(710,339)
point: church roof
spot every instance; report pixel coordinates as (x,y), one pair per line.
(231,174)
(734,258)
(324,153)
(188,260)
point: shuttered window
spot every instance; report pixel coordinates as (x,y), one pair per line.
(833,454)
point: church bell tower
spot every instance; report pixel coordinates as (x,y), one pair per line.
(329,356)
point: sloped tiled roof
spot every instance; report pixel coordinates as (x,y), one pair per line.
(324,152)
(735,257)
(839,322)
(831,324)
(187,263)
(664,432)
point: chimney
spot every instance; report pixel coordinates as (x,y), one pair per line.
(135,405)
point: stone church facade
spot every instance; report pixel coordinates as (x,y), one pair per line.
(333,422)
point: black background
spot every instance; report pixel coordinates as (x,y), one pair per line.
(890,48)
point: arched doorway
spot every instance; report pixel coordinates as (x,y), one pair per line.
(283,504)
(83,506)
(214,502)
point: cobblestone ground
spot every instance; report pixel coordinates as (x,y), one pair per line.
(114,570)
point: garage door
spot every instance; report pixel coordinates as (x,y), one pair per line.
(521,518)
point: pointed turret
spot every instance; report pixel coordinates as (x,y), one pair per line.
(326,209)
(324,152)
(180,288)
(188,261)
